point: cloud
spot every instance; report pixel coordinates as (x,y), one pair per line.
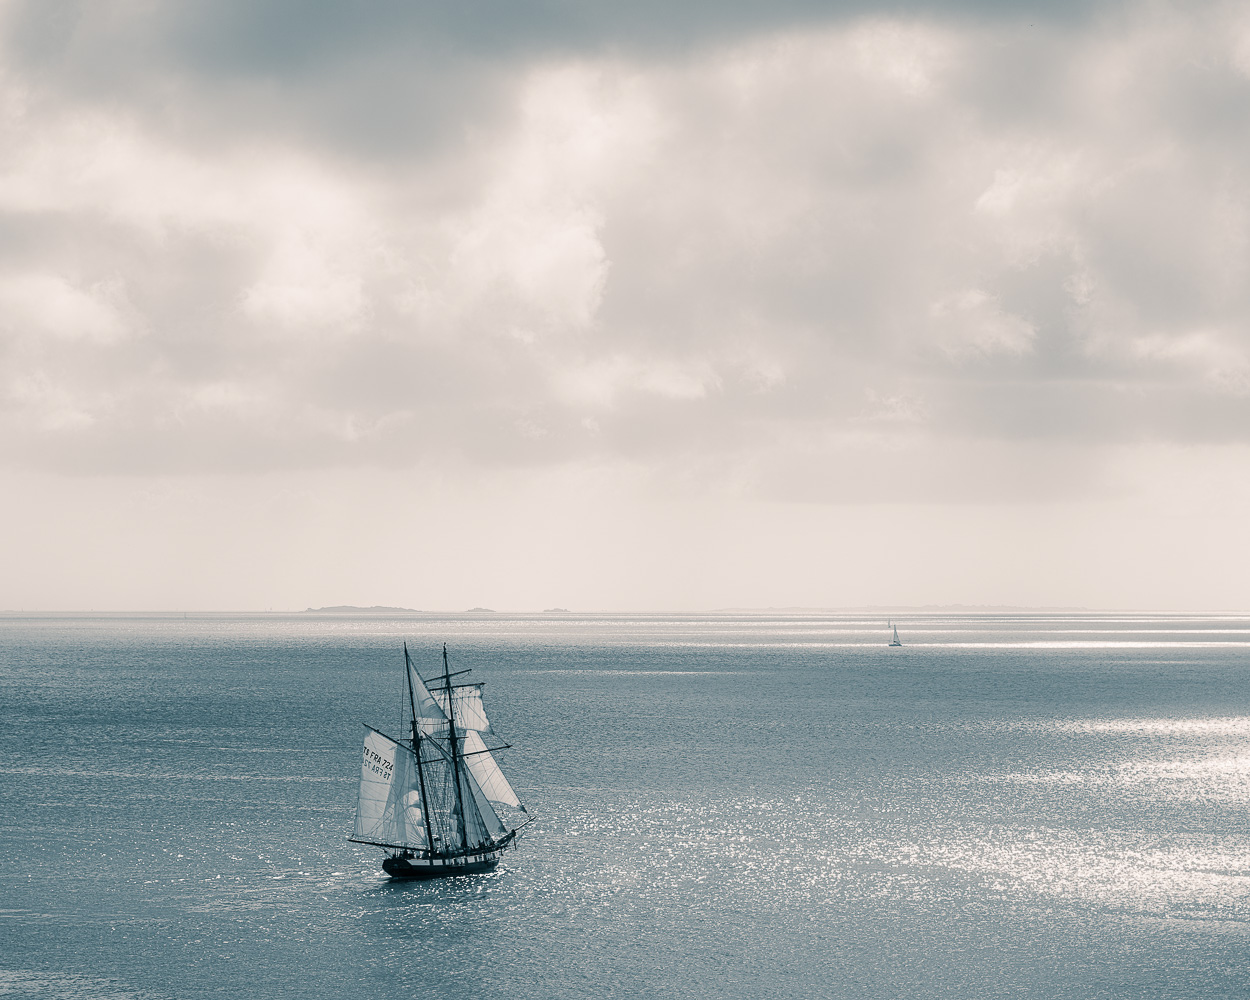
(780,243)
(972,321)
(48,305)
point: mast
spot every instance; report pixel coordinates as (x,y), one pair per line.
(455,751)
(416,751)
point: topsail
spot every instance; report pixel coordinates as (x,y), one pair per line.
(426,711)
(466,702)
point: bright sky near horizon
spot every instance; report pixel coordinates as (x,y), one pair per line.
(624,306)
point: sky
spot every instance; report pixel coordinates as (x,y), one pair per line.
(623,306)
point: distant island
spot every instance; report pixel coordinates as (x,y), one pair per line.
(488,610)
(561,610)
(347,609)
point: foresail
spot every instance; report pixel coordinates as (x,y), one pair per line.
(486,771)
(466,703)
(388,806)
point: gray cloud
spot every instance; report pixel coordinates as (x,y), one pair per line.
(242,237)
(388,76)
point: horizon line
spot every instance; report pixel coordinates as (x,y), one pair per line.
(379,610)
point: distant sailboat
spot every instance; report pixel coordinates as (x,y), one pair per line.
(895,641)
(438,802)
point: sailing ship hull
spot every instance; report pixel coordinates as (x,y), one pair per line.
(399,867)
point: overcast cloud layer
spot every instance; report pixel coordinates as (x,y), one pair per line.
(909,254)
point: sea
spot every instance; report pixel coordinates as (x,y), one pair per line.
(726,805)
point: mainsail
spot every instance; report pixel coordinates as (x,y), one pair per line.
(491,823)
(388,807)
(484,769)
(441,793)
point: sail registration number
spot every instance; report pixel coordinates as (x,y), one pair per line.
(378,764)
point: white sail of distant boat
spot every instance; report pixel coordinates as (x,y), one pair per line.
(895,641)
(438,802)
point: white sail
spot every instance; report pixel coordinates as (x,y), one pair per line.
(466,704)
(388,806)
(427,710)
(491,823)
(450,801)
(486,771)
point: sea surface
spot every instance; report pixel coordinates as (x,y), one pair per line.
(728,805)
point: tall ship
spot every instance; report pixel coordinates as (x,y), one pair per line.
(437,801)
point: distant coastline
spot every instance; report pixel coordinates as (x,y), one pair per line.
(348,609)
(976,609)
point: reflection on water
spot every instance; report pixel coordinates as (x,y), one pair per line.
(727,805)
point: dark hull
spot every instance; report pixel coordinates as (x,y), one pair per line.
(423,868)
